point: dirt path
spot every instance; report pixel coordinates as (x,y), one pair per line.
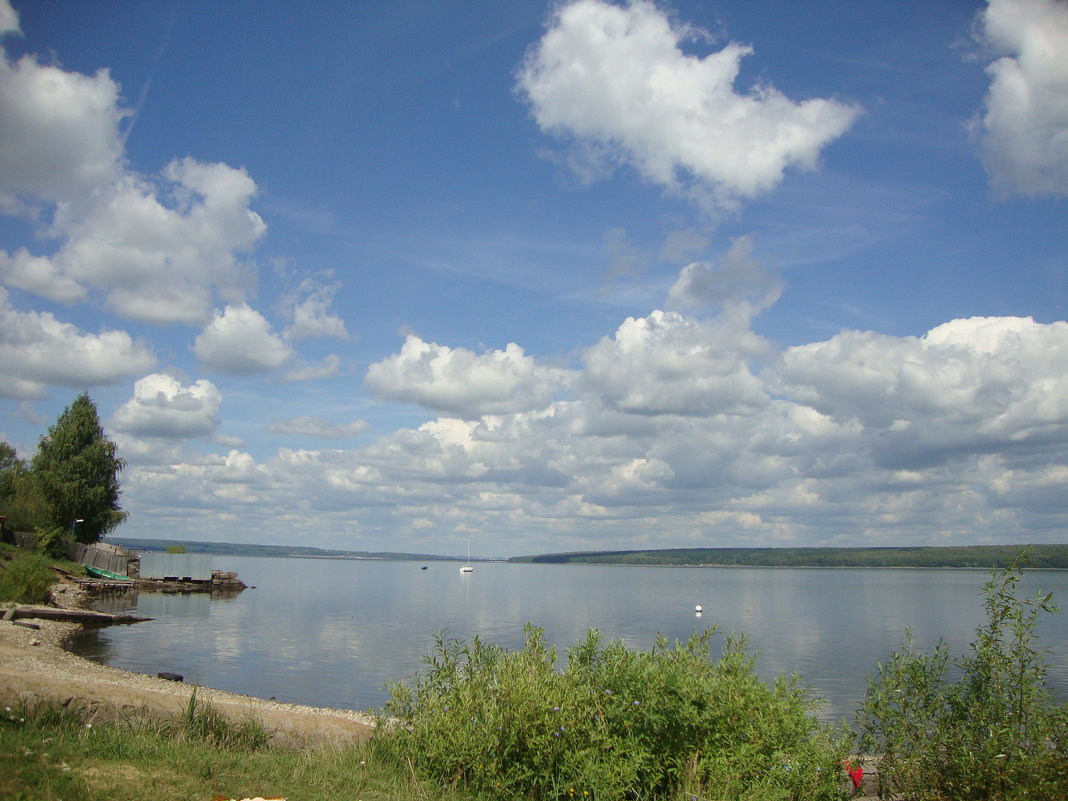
(34,666)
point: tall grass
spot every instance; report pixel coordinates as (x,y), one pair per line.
(56,753)
(25,577)
(670,722)
(993,734)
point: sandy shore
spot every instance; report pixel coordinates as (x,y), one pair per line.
(34,667)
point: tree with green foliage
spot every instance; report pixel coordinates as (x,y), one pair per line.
(20,497)
(76,468)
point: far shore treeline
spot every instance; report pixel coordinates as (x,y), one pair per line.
(974,556)
(979,556)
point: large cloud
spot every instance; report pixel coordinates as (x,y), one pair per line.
(1025,126)
(675,436)
(239,340)
(153,262)
(462,383)
(670,364)
(617,78)
(59,131)
(154,249)
(982,385)
(38,351)
(162,408)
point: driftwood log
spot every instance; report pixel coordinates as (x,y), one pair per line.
(87,617)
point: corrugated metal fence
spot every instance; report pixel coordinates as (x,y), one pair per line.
(196,566)
(104,556)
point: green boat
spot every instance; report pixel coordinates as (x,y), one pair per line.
(98,572)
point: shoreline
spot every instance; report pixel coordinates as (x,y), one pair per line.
(35,668)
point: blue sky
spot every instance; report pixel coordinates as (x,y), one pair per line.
(548,276)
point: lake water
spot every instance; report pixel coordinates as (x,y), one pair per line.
(333,632)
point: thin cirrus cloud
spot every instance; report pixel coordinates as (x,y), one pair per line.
(615,78)
(318,427)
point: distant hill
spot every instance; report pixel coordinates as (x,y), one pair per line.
(982,556)
(246,549)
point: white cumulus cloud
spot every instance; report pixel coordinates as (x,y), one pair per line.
(460,382)
(162,407)
(59,132)
(9,18)
(160,249)
(37,351)
(1025,124)
(616,78)
(969,386)
(667,363)
(153,261)
(239,340)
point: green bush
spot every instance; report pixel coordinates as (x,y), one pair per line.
(613,724)
(25,577)
(993,734)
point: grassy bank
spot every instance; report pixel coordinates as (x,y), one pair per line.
(61,754)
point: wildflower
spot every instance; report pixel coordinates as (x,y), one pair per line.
(637,703)
(856,772)
(556,709)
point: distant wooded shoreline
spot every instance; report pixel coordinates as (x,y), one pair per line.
(964,556)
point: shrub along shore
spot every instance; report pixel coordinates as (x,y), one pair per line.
(600,722)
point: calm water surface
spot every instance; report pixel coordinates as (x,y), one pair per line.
(332,633)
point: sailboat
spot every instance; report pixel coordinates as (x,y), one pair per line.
(467,568)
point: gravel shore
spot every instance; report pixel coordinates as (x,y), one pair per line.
(34,667)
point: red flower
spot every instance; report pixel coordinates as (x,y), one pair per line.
(856,772)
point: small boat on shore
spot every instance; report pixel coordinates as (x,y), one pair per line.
(98,572)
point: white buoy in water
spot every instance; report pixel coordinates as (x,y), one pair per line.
(698,609)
